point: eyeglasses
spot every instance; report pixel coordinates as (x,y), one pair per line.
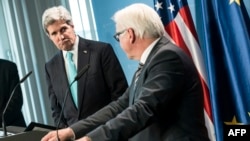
(116,36)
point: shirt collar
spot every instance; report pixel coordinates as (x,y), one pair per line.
(147,51)
(75,48)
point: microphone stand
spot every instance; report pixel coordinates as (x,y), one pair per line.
(64,101)
(11,95)
(3,119)
(77,77)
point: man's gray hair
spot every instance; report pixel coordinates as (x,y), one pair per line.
(143,19)
(54,14)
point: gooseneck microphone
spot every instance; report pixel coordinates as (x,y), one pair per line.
(11,95)
(77,77)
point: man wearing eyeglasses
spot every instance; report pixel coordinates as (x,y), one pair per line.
(164,101)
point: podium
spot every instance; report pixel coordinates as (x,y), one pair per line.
(34,132)
(25,136)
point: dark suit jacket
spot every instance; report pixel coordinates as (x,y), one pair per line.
(9,78)
(165,105)
(103,82)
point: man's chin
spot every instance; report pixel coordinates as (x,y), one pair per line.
(67,47)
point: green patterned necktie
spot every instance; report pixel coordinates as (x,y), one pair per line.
(138,72)
(71,75)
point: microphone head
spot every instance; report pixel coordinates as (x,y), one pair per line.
(79,75)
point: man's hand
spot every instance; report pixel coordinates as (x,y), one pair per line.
(63,135)
(85,138)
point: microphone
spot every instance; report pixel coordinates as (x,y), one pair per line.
(12,93)
(77,77)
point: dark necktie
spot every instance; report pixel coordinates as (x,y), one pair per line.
(138,72)
(71,75)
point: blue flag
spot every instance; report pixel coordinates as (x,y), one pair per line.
(177,20)
(225,39)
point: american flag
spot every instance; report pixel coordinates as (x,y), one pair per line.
(179,26)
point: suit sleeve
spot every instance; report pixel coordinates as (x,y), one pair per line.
(15,105)
(113,72)
(161,82)
(110,111)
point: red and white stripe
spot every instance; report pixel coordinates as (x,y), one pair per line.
(182,32)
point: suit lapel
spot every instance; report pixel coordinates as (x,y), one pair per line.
(83,59)
(134,92)
(61,77)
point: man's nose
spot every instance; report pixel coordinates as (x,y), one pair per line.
(61,36)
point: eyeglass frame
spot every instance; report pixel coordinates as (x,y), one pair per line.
(117,35)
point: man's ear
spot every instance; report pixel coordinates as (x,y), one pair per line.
(131,35)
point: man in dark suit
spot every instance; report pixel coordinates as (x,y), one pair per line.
(9,78)
(102,83)
(165,100)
